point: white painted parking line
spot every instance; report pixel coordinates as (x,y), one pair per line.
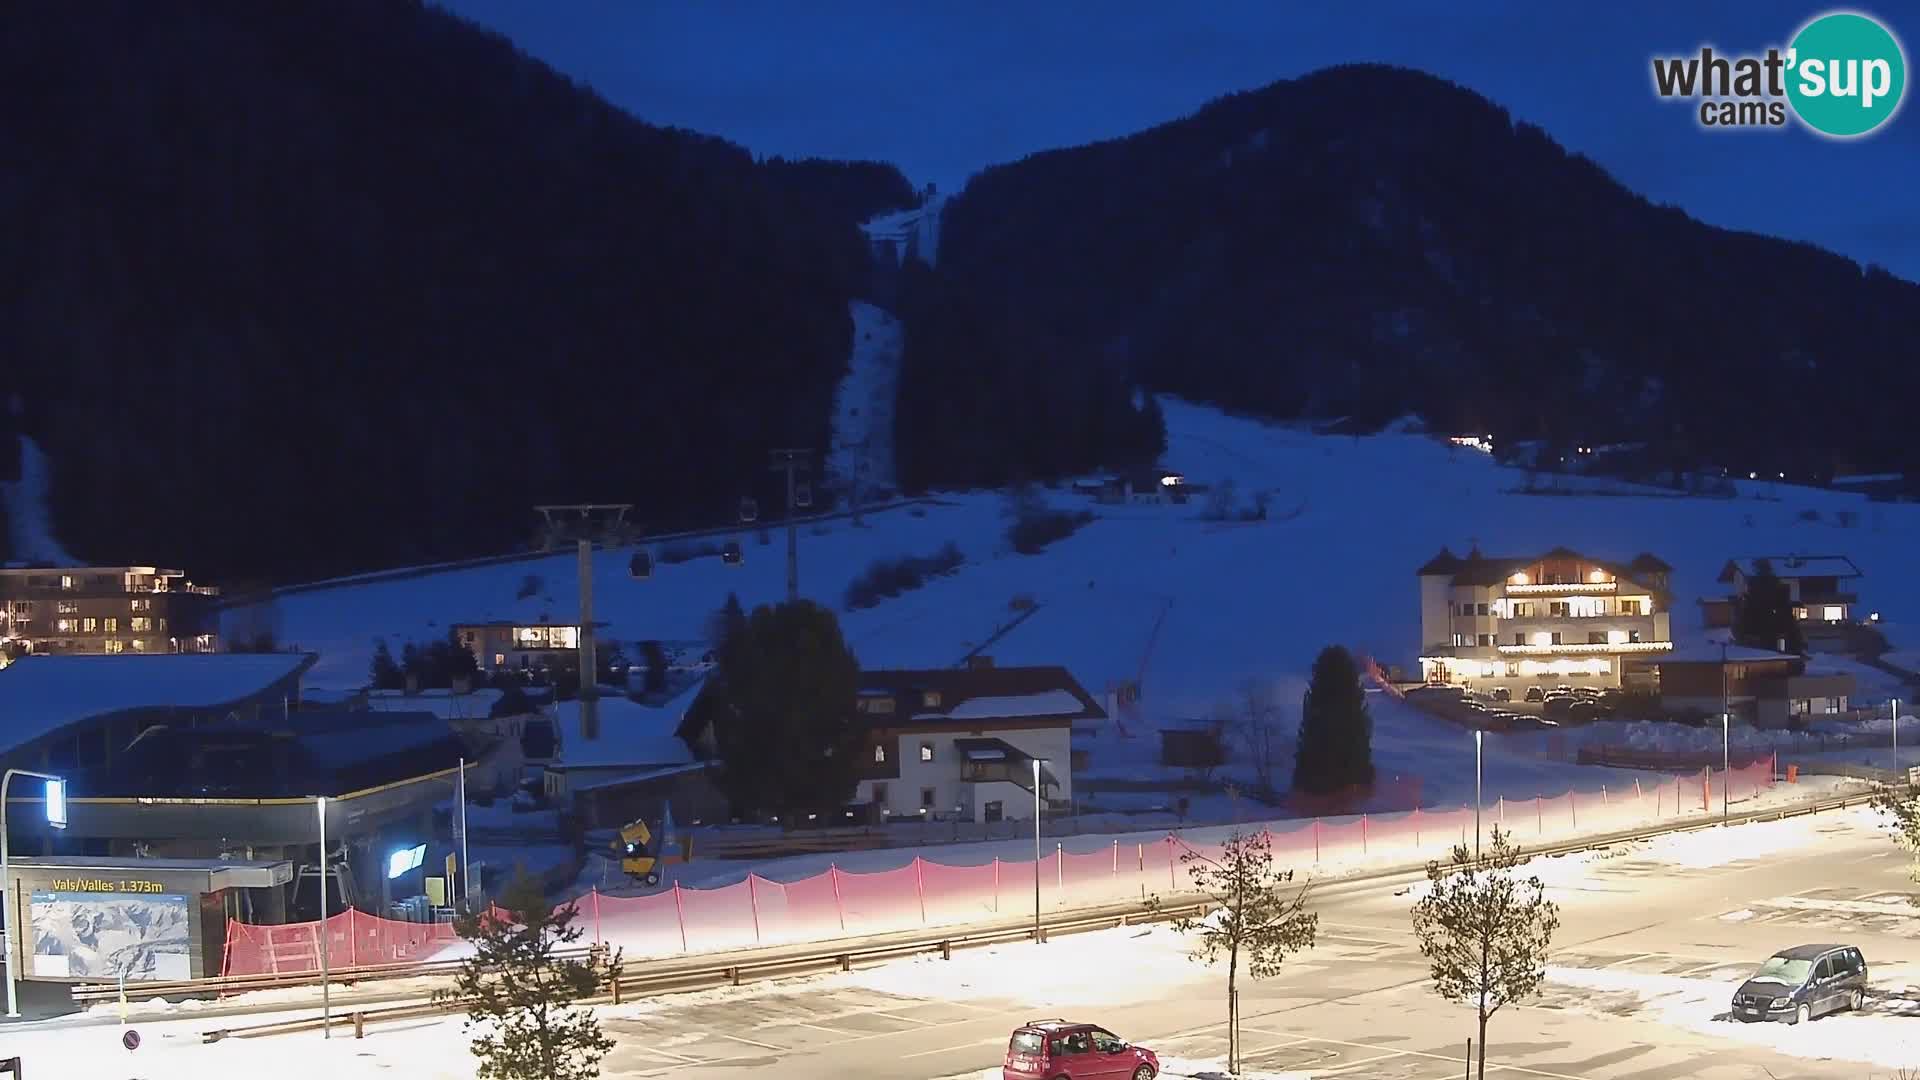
(1419,1054)
(1333,1070)
(952,1049)
(1629,960)
(752,1042)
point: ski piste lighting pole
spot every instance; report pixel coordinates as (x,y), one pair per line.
(1477,800)
(326,994)
(790,462)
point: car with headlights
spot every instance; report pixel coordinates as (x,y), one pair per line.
(1067,1050)
(1799,984)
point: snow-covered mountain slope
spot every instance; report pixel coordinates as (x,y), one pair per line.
(1349,521)
(30,536)
(861,460)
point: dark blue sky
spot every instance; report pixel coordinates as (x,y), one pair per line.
(943,89)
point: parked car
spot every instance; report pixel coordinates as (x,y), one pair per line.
(1557,705)
(1064,1050)
(1585,692)
(1582,711)
(1803,982)
(1536,694)
(1527,721)
(1501,693)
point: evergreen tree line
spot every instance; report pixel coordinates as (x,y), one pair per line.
(304,289)
(1368,241)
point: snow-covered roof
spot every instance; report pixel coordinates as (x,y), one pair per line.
(1047,703)
(631,734)
(1710,653)
(636,777)
(444,704)
(42,694)
(1801,566)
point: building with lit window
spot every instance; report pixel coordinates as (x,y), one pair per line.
(501,646)
(962,742)
(1539,620)
(1819,587)
(74,610)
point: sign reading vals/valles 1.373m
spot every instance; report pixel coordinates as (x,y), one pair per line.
(93,885)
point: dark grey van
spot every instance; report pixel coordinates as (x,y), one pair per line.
(1803,982)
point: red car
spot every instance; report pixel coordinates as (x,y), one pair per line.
(1061,1050)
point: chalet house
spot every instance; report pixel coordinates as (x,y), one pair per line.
(1138,487)
(962,742)
(106,610)
(1820,588)
(1519,621)
(501,646)
(1758,686)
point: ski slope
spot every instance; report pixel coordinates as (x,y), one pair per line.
(1349,521)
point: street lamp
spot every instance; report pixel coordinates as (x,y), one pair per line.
(1896,734)
(1036,851)
(1726,764)
(326,996)
(56,817)
(1477,737)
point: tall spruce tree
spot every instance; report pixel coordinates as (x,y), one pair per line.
(1763,615)
(1336,732)
(384,673)
(780,711)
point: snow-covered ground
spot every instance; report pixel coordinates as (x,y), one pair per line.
(1349,521)
(862,456)
(29,525)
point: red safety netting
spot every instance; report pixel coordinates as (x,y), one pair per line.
(759,911)
(353,939)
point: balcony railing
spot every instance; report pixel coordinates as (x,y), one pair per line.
(1588,647)
(1548,588)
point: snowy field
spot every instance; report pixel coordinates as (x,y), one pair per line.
(1349,521)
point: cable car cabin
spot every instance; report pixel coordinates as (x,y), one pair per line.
(749,511)
(731,554)
(803,495)
(640,567)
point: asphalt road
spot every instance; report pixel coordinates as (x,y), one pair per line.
(1359,1004)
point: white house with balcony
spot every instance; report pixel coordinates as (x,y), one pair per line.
(963,742)
(1539,620)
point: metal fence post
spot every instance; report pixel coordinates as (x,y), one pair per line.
(680,914)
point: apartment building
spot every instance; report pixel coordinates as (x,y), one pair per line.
(1821,589)
(1533,620)
(109,610)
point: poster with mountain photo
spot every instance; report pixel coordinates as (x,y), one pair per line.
(79,935)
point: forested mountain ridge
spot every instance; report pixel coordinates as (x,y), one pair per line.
(1368,241)
(297,289)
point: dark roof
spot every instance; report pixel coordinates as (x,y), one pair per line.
(1478,569)
(1792,566)
(307,752)
(1808,952)
(956,686)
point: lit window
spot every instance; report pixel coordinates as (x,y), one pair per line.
(115,645)
(66,581)
(66,626)
(926,751)
(161,625)
(142,605)
(140,624)
(1598,577)
(879,755)
(111,624)
(67,607)
(1518,579)
(1616,637)
(930,699)
(1543,638)
(1799,613)
(1835,613)
(139,645)
(87,626)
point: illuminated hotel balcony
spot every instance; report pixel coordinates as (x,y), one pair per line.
(1586,648)
(1564,588)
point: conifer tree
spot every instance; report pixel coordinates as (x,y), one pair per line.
(1336,733)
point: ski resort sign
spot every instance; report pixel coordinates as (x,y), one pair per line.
(1843,75)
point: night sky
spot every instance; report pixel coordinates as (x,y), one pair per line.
(943,89)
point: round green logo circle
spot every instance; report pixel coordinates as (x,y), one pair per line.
(1846,74)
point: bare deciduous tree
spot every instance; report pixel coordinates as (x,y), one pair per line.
(1257,721)
(1902,814)
(1259,919)
(1484,930)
